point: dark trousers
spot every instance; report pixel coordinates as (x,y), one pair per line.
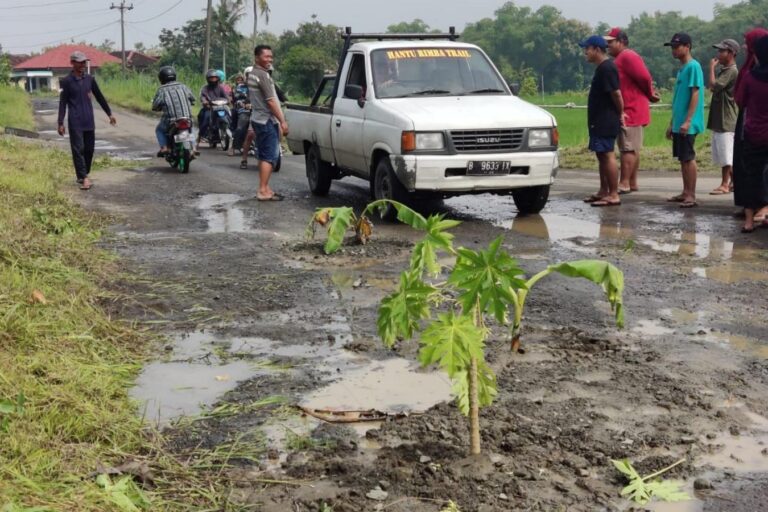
(82,144)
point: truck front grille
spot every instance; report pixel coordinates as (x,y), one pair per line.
(488,140)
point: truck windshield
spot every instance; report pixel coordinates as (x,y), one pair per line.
(404,72)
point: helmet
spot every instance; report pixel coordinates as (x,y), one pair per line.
(221,75)
(166,74)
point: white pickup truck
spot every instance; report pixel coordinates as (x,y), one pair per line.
(419,116)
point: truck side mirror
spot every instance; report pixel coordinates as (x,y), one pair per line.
(355,92)
(515,88)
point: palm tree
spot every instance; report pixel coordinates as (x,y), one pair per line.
(228,13)
(259,6)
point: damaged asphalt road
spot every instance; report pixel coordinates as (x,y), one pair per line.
(258,320)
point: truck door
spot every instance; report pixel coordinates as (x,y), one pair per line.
(348,117)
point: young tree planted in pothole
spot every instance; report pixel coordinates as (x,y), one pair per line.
(486,282)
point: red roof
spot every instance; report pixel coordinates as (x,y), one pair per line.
(59,57)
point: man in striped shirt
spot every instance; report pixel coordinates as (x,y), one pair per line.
(175,100)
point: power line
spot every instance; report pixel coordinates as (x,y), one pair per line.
(48,32)
(157,16)
(41,5)
(66,38)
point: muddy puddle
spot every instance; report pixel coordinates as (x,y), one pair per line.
(223,214)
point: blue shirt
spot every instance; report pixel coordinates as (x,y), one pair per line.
(689,77)
(75,99)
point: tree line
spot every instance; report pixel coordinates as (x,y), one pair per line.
(535,47)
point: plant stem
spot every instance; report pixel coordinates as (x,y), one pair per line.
(659,472)
(474,412)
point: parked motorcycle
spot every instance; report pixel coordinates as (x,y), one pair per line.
(183,144)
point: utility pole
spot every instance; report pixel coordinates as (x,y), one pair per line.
(207,54)
(122,8)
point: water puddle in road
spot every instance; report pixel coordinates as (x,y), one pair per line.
(46,112)
(390,386)
(729,274)
(222,214)
(651,328)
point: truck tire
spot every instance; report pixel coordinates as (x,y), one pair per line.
(318,172)
(387,186)
(531,200)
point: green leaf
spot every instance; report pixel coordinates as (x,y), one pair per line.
(489,277)
(341,219)
(667,490)
(404,214)
(7,407)
(451,341)
(486,387)
(610,278)
(401,311)
(625,467)
(424,255)
(641,491)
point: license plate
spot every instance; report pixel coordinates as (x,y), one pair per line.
(181,137)
(488,167)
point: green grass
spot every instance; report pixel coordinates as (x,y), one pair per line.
(137,90)
(65,365)
(15,108)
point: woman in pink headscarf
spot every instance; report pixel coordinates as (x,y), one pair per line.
(754,147)
(739,186)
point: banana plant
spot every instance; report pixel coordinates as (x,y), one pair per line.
(483,283)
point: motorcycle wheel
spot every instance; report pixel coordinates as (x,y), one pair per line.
(184,160)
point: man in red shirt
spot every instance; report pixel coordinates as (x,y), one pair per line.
(637,90)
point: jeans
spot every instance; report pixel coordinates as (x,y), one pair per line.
(82,144)
(267,141)
(161,132)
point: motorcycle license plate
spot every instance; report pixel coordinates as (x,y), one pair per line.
(182,137)
(488,167)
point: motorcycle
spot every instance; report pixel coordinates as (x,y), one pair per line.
(219,125)
(180,154)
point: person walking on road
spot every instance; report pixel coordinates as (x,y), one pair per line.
(739,189)
(605,114)
(687,116)
(722,110)
(267,120)
(75,101)
(637,92)
(752,99)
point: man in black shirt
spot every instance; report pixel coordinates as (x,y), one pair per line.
(605,117)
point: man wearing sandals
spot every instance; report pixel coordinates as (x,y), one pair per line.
(687,116)
(605,114)
(75,101)
(723,110)
(267,120)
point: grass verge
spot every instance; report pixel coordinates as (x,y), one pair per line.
(66,366)
(136,91)
(15,109)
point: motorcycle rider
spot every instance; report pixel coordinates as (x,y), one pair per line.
(175,100)
(212,90)
(242,107)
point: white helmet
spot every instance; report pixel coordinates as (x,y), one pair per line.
(247,70)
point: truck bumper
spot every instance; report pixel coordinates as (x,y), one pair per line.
(447,173)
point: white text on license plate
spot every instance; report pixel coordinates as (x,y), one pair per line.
(488,167)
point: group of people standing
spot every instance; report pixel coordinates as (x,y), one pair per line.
(619,108)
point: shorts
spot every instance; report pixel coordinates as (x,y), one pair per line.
(683,147)
(722,148)
(601,144)
(267,141)
(631,139)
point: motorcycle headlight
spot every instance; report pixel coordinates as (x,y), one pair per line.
(540,138)
(429,140)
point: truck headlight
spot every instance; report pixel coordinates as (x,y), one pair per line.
(429,140)
(540,138)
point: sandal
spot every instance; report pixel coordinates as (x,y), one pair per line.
(592,198)
(605,202)
(719,191)
(243,164)
(676,199)
(273,197)
(688,204)
(86,184)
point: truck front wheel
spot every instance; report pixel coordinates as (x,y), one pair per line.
(318,172)
(531,199)
(387,186)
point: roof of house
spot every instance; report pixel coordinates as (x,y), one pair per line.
(16,58)
(59,57)
(135,57)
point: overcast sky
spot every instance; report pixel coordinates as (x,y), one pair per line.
(29,25)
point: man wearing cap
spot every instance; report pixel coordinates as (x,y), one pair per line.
(637,91)
(723,110)
(605,114)
(75,100)
(687,116)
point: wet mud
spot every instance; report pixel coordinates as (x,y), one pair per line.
(256,321)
